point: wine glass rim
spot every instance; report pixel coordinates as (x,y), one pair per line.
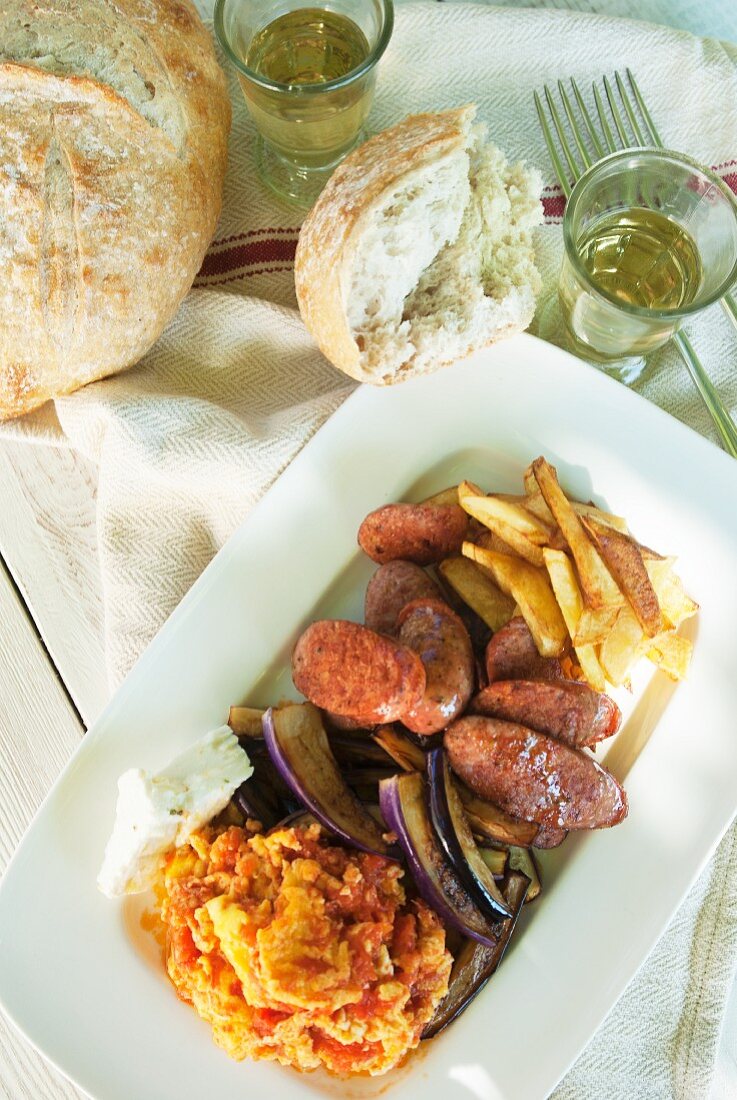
(307,89)
(640,153)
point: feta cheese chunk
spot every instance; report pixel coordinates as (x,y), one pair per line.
(158,812)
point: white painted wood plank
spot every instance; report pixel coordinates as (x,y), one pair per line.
(48,541)
(39,730)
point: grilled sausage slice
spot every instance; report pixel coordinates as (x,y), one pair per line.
(438,635)
(572,712)
(352,671)
(533,776)
(549,838)
(512,655)
(391,588)
(422,533)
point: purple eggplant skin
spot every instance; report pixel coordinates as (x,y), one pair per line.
(474,964)
(403,805)
(299,819)
(456,839)
(252,802)
(300,750)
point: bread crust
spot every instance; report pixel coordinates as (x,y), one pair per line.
(110,184)
(332,228)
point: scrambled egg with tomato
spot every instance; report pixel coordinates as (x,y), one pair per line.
(297,950)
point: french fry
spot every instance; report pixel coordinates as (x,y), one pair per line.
(530,587)
(598,587)
(477,590)
(535,502)
(593,626)
(622,646)
(445,496)
(672,654)
(607,518)
(675,604)
(622,557)
(530,481)
(492,540)
(493,510)
(570,601)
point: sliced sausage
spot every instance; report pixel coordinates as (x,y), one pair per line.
(512,655)
(344,724)
(350,670)
(391,588)
(422,533)
(565,709)
(549,838)
(533,776)
(437,634)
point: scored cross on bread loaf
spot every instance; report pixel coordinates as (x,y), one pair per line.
(419,250)
(113,142)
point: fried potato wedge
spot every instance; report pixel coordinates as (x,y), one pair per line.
(513,543)
(570,601)
(598,587)
(509,521)
(593,626)
(491,510)
(530,587)
(672,654)
(445,496)
(622,646)
(675,604)
(624,561)
(535,502)
(476,589)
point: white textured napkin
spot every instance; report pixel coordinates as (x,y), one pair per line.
(190,439)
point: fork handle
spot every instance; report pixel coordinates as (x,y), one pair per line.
(730,308)
(724,423)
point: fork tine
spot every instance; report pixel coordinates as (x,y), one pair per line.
(609,137)
(558,123)
(654,135)
(598,147)
(557,162)
(640,137)
(615,113)
(575,128)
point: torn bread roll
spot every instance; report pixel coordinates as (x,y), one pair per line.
(419,250)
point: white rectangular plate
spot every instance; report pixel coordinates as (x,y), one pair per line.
(84,983)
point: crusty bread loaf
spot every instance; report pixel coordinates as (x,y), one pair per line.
(113,136)
(419,250)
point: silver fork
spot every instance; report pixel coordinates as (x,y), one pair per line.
(574,163)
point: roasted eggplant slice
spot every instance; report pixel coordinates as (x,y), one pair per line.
(405,752)
(522,860)
(491,823)
(298,820)
(299,747)
(256,803)
(405,811)
(246,722)
(456,839)
(355,750)
(496,859)
(475,963)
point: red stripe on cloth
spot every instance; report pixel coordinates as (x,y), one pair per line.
(244,255)
(291,230)
(272,250)
(554,205)
(243,275)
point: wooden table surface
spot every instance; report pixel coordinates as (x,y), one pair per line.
(52,665)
